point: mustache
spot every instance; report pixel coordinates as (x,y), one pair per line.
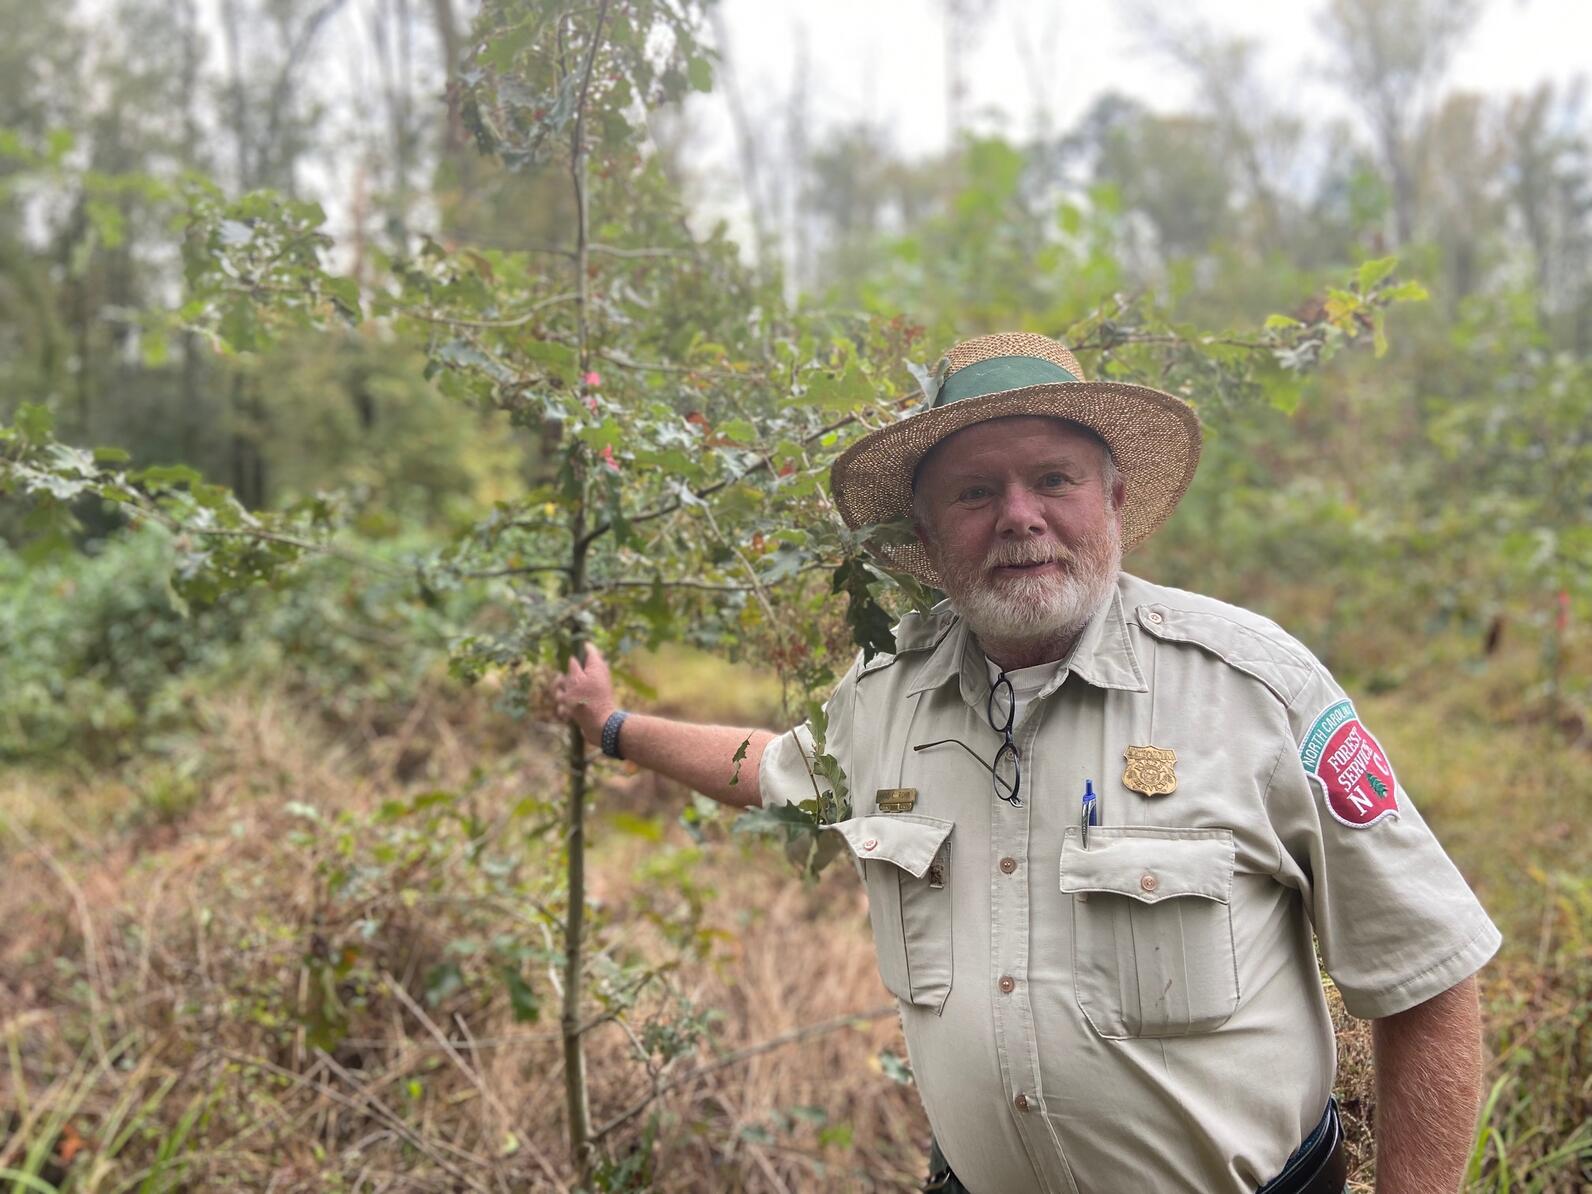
(1009,554)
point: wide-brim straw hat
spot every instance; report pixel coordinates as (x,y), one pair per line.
(1154,437)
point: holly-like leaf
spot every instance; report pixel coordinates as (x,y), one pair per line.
(870,624)
(738,758)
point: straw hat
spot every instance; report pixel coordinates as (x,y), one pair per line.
(1154,438)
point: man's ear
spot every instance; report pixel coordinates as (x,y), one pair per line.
(1119,494)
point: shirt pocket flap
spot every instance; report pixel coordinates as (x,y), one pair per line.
(906,839)
(1149,863)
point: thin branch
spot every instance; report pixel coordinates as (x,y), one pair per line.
(751,572)
(707,586)
(329,549)
(609,250)
(1106,344)
(660,367)
(706,491)
(517,321)
(779,1042)
(616,251)
(527,570)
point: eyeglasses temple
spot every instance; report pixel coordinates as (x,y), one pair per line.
(963,745)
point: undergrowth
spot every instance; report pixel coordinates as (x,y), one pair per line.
(309,952)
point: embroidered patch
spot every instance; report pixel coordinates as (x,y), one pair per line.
(1351,767)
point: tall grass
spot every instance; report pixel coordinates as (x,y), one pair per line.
(323,968)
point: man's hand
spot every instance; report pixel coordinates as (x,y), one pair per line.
(585,694)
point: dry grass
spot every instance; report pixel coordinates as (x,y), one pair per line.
(177,949)
(172,960)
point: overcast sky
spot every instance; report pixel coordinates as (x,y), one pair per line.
(888,56)
(886,60)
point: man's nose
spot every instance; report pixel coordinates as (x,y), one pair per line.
(1020,513)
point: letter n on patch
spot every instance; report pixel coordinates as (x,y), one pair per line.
(1348,762)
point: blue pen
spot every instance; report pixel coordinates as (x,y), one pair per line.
(1091,815)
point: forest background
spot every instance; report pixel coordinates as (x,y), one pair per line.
(302,890)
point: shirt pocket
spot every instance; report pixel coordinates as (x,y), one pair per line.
(1152,929)
(906,866)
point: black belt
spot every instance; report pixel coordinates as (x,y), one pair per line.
(1317,1166)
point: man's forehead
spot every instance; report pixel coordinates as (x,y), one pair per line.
(1043,435)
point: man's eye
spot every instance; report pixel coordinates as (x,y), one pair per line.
(1053,480)
(973,493)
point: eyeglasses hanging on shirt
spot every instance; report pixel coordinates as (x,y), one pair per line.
(1007,772)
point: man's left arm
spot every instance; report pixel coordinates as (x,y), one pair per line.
(1428,1090)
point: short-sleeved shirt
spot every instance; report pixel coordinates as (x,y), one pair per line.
(1142,1010)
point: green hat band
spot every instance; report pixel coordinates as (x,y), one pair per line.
(997,374)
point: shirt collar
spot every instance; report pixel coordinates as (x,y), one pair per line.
(1103,656)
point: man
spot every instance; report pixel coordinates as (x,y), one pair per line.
(1098,820)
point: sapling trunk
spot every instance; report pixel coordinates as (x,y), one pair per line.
(576,1098)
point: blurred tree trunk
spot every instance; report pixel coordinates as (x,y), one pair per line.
(1391,56)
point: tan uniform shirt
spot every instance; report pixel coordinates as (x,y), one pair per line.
(1144,1012)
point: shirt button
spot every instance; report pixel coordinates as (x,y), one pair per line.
(870,844)
(1021,1102)
(1149,882)
(1152,616)
(1007,984)
(1008,865)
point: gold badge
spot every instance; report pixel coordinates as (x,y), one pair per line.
(895,800)
(1150,770)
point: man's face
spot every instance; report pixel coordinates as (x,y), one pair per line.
(1016,516)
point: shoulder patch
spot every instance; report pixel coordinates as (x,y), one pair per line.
(1254,646)
(1345,758)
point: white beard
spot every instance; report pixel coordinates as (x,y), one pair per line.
(1024,610)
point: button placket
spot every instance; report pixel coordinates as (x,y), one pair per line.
(1016,1040)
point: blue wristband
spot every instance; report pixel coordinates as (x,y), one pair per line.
(611,733)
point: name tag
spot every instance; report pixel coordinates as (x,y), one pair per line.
(895,800)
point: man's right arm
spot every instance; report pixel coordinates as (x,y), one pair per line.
(700,757)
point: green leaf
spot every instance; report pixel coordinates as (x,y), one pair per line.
(895,1067)
(1341,306)
(1379,331)
(167,475)
(345,293)
(699,73)
(527,1007)
(1406,292)
(870,624)
(155,347)
(647,828)
(111,456)
(441,981)
(240,327)
(738,758)
(781,816)
(1278,322)
(1373,271)
(35,422)
(742,431)
(843,393)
